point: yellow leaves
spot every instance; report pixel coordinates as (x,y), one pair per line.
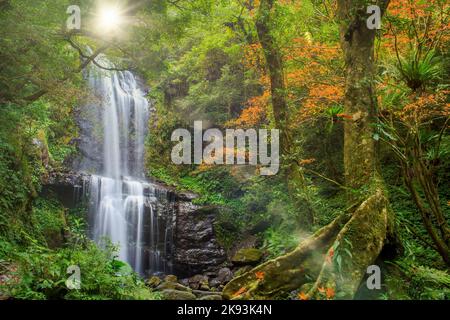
(260,275)
(240,292)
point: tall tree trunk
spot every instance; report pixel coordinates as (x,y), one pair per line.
(332,262)
(276,72)
(357,43)
(273,57)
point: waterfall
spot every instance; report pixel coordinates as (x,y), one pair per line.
(122,205)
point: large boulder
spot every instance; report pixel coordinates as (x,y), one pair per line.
(171,294)
(247,256)
(171,278)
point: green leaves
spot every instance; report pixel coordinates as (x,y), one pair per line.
(420,71)
(121,268)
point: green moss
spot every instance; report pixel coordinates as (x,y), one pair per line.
(247,256)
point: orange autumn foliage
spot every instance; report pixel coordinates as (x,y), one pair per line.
(239,292)
(311,70)
(307,69)
(306,161)
(429,18)
(330,293)
(302,296)
(344,116)
(330,255)
(260,275)
(255,109)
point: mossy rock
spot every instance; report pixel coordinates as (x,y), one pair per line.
(153,282)
(247,256)
(211,297)
(171,278)
(173,286)
(170,294)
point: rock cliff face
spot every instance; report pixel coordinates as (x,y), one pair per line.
(186,230)
(196,247)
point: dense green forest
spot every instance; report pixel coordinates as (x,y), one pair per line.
(359,95)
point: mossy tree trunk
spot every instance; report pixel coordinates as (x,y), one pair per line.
(275,69)
(274,63)
(332,262)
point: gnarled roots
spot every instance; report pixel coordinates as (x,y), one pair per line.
(329,264)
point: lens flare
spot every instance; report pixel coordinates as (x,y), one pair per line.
(110,19)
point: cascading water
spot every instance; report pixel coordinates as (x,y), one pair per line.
(122,205)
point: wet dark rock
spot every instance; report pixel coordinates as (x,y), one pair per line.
(89,144)
(196,246)
(187,196)
(214,283)
(224,275)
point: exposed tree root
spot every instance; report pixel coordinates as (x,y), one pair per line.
(329,264)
